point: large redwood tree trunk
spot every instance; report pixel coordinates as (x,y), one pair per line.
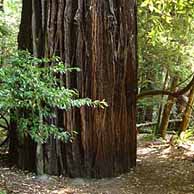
(99,36)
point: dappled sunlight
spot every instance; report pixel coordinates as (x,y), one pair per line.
(146,151)
(165,153)
(161,168)
(63,191)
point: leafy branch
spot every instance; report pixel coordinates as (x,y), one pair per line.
(29,86)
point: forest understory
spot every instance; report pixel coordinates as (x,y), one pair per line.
(162,168)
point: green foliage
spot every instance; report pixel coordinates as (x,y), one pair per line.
(2,192)
(9,26)
(186,135)
(30,87)
(165,43)
(166,35)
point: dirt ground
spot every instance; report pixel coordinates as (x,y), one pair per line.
(161,169)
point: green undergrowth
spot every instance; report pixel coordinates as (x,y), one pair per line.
(3,192)
(185,137)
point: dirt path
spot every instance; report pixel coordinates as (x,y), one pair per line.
(161,169)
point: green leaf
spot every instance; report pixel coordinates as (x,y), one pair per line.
(35,93)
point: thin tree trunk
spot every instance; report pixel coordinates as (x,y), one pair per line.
(39,159)
(167,110)
(148,111)
(39,149)
(13,144)
(187,113)
(161,105)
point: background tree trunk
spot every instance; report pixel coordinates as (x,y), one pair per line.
(187,113)
(161,106)
(99,37)
(167,110)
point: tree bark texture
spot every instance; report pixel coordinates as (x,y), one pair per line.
(25,30)
(99,36)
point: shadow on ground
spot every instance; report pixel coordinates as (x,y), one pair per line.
(161,169)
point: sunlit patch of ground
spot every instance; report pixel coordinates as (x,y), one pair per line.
(161,169)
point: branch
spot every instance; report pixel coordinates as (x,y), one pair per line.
(164,92)
(191,75)
(148,124)
(185,89)
(154,93)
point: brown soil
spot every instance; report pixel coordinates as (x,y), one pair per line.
(161,169)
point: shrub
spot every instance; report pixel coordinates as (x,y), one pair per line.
(30,88)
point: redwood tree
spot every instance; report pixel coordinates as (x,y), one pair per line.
(99,36)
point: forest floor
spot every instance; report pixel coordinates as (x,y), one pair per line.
(161,169)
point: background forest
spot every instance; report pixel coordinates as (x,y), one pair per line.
(165,89)
(165,63)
